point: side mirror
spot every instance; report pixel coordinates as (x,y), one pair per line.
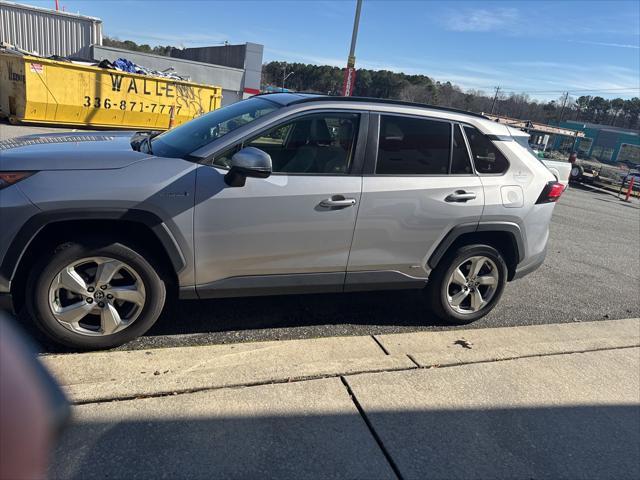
(248,162)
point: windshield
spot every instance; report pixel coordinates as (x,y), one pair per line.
(186,138)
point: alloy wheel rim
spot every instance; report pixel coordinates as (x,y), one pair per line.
(97,296)
(472,285)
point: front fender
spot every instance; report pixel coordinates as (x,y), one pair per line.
(29,231)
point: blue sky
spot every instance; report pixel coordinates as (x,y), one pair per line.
(541,48)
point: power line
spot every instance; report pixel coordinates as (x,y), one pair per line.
(592,90)
(605,89)
(573,90)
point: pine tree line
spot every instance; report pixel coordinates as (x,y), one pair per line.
(422,89)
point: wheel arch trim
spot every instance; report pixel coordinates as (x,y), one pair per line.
(456,232)
(32,227)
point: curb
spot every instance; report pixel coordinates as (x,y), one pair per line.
(119,375)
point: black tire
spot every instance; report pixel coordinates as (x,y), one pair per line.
(47,267)
(436,291)
(576,173)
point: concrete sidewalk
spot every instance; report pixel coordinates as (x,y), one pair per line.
(552,401)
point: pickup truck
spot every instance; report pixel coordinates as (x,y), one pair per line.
(562,170)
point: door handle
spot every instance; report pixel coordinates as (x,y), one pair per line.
(460,196)
(338,201)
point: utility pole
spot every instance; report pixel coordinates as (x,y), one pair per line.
(495,97)
(285,75)
(350,72)
(564,103)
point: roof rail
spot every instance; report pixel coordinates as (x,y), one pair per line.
(264,94)
(320,97)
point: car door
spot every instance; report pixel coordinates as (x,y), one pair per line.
(418,185)
(291,231)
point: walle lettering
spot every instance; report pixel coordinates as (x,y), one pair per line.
(141,86)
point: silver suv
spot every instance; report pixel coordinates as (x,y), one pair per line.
(281,193)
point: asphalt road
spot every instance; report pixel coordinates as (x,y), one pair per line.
(592,272)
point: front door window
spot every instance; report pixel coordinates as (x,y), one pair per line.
(313,144)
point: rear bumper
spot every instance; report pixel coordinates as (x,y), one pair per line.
(530,266)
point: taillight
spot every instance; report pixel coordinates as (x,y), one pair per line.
(551,192)
(9,178)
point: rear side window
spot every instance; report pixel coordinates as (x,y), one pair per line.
(413,146)
(524,141)
(487,158)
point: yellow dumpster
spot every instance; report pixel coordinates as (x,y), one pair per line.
(39,90)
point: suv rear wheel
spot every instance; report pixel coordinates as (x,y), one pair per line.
(467,284)
(92,297)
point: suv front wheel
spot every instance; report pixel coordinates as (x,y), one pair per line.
(93,297)
(466,284)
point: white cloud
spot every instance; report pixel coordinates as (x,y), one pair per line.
(291,56)
(543,80)
(606,44)
(334,10)
(482,20)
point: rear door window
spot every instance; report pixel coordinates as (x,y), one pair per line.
(413,146)
(486,156)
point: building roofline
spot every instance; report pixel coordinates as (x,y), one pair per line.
(608,128)
(48,11)
(163,57)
